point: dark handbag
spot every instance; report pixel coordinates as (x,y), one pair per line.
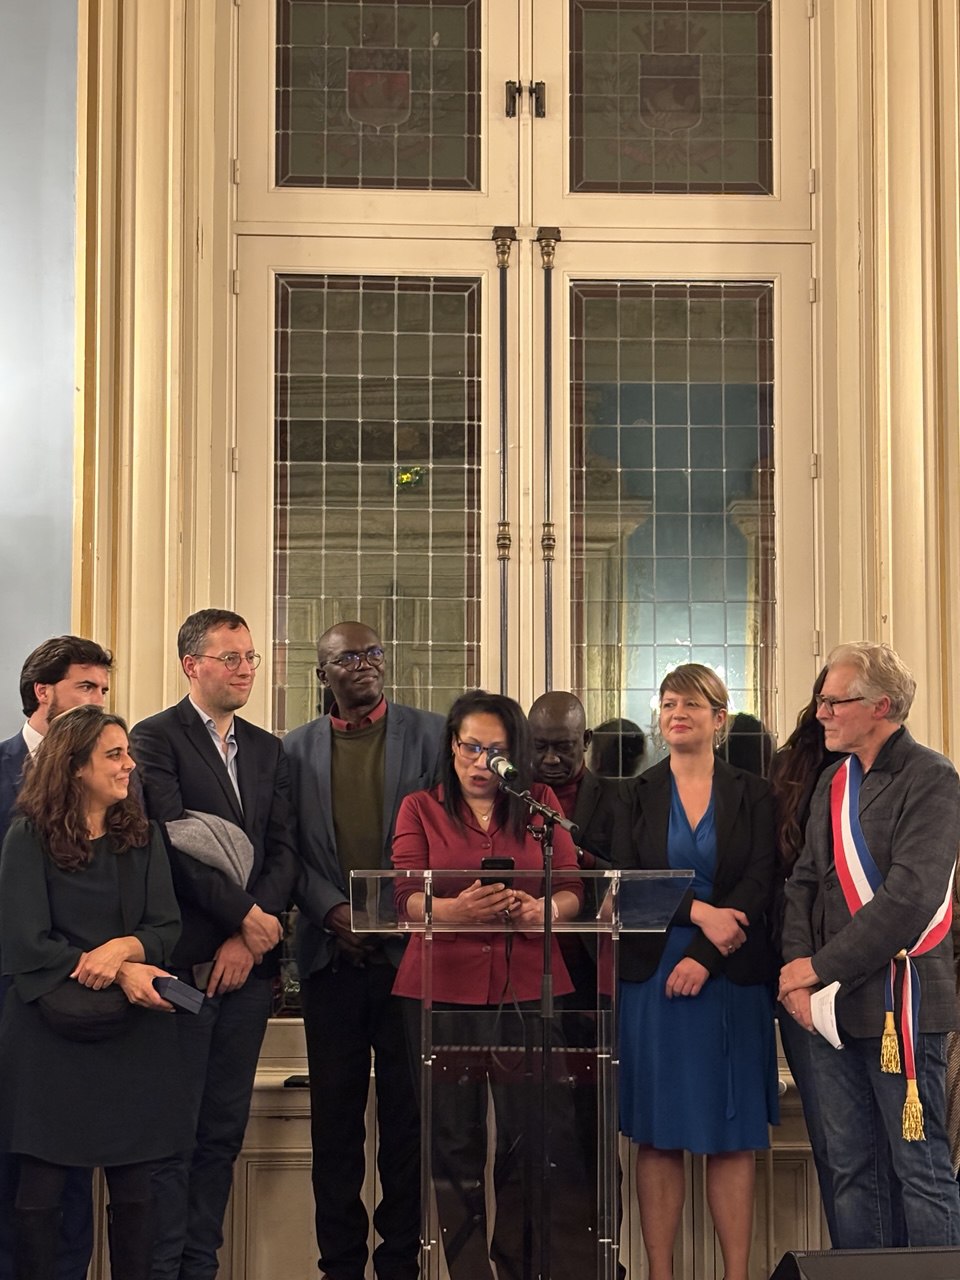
(81,1013)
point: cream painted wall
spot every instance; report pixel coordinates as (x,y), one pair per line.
(157,528)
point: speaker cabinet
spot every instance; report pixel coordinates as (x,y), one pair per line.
(870,1264)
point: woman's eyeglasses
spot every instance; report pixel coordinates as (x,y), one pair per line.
(473,750)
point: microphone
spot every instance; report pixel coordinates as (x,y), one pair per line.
(499,763)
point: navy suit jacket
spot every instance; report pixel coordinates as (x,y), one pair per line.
(13,753)
(181,768)
(744,874)
(412,752)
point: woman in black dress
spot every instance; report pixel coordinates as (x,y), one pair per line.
(86,901)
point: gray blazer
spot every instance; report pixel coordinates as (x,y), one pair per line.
(910,814)
(412,752)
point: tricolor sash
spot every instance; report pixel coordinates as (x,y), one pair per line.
(860,878)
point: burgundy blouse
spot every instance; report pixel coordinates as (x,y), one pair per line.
(472,967)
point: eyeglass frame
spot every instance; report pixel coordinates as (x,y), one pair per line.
(474,750)
(358,657)
(831,704)
(228,659)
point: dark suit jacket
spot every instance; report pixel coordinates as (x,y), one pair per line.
(412,752)
(744,876)
(593,814)
(13,753)
(910,815)
(181,769)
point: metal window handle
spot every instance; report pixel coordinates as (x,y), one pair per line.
(514,90)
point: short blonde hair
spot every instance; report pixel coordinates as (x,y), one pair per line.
(695,678)
(880,673)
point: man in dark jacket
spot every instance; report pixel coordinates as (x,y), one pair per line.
(350,769)
(201,756)
(876,868)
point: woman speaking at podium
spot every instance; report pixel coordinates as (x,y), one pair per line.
(486,986)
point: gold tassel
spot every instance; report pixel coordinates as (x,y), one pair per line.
(913,1115)
(889,1048)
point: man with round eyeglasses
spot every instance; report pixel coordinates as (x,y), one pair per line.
(350,769)
(200,758)
(868,906)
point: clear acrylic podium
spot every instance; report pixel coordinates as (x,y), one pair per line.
(520,1174)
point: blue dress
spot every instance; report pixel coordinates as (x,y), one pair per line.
(696,1073)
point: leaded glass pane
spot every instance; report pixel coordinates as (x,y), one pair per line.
(672,491)
(380,95)
(377,473)
(671,96)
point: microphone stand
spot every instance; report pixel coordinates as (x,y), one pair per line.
(544,836)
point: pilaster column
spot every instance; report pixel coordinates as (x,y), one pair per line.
(908,256)
(144,483)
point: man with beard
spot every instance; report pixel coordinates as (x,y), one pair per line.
(201,757)
(61,673)
(350,769)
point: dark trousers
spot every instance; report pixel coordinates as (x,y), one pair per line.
(484,1054)
(861,1113)
(219,1048)
(76,1224)
(349,1014)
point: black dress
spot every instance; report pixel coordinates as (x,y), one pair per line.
(109,1102)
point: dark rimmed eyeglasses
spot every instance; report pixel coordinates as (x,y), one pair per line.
(473,750)
(352,659)
(231,660)
(830,704)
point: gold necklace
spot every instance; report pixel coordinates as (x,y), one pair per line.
(483,817)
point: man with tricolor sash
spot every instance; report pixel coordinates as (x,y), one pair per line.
(868,906)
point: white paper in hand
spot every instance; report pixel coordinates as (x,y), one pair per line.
(823,1010)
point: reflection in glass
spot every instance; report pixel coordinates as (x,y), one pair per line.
(671,96)
(382,95)
(672,491)
(376,503)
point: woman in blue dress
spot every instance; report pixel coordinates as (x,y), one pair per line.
(697,1046)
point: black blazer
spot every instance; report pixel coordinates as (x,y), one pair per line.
(593,814)
(13,755)
(745,873)
(181,769)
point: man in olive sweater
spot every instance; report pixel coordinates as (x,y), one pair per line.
(349,771)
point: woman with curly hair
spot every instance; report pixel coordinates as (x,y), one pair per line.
(88,1052)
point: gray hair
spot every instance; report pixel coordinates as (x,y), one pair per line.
(880,673)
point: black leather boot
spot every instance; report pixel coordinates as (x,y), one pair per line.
(130,1231)
(36,1240)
